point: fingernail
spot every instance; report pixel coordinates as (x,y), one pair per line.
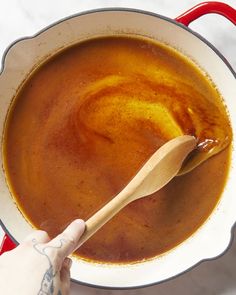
(68,262)
(80,222)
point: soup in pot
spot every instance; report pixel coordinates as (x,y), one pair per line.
(86,120)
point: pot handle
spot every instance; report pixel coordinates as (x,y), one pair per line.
(207,7)
(6,244)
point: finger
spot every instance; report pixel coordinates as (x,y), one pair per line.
(65,269)
(65,276)
(39,236)
(66,242)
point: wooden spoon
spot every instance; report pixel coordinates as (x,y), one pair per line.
(163,165)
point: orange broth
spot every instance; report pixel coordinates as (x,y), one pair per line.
(88,118)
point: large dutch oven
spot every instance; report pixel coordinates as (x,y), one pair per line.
(214,236)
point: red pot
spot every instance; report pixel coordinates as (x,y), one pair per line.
(205,243)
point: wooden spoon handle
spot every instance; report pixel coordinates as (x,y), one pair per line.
(102,216)
(160,168)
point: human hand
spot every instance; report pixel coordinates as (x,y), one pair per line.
(40,265)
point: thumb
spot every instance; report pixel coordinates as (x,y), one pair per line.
(67,242)
(65,276)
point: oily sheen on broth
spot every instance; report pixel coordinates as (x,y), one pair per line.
(89,117)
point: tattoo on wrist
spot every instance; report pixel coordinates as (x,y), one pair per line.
(47,286)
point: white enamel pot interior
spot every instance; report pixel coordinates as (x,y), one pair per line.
(215,234)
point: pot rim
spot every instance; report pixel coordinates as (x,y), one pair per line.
(172,21)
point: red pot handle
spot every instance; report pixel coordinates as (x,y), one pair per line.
(207,7)
(6,244)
